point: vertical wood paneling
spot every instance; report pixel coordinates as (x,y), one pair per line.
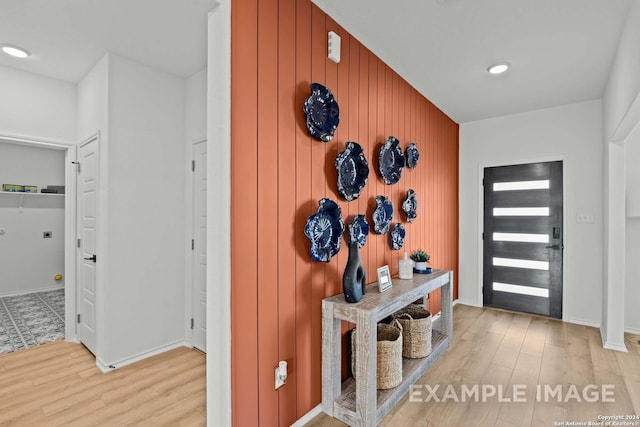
(286,145)
(267,261)
(279,174)
(318,185)
(305,206)
(244,153)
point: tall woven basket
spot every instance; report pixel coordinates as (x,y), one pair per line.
(416,331)
(389,358)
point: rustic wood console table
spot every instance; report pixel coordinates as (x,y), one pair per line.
(358,402)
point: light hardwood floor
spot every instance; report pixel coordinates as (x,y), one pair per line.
(493,348)
(58,384)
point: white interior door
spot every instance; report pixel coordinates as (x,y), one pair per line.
(87,221)
(199,322)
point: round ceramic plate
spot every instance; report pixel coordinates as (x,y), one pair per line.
(382,215)
(412,154)
(324,229)
(397,236)
(353,171)
(358,230)
(410,205)
(390,161)
(323,113)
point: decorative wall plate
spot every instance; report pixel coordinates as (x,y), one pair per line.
(324,228)
(323,113)
(353,171)
(410,205)
(358,230)
(412,154)
(382,215)
(397,236)
(390,161)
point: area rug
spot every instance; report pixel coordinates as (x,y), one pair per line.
(31,319)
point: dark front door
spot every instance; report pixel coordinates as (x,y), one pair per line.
(523,238)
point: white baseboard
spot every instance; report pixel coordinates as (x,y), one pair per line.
(308,417)
(31,291)
(108,367)
(583,322)
(632,331)
(609,345)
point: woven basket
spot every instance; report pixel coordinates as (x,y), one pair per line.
(389,357)
(416,331)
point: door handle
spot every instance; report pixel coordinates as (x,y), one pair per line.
(91,258)
(552,247)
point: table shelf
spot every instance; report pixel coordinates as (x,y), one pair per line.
(357,402)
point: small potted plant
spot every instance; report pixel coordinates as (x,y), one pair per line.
(421,258)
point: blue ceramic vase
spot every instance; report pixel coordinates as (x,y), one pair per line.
(354,278)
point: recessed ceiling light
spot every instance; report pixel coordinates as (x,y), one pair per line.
(16,51)
(498,68)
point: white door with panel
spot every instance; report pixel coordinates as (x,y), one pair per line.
(87,223)
(199,246)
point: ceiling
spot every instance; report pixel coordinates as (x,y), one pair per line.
(560,51)
(68,37)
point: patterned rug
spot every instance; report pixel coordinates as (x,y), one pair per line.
(31,319)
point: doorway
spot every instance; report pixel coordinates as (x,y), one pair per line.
(523,238)
(40,223)
(199,247)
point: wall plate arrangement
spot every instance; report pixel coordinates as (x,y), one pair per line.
(323,113)
(324,229)
(412,155)
(410,205)
(382,215)
(390,161)
(397,236)
(358,230)
(353,171)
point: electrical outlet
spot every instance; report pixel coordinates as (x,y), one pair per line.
(47,235)
(585,218)
(281,374)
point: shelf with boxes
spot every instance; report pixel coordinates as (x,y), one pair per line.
(357,402)
(21,200)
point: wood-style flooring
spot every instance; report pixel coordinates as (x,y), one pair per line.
(58,384)
(493,348)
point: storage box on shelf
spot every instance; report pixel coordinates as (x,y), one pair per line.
(357,402)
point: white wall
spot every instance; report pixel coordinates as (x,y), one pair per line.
(144,295)
(219,216)
(623,84)
(36,107)
(28,261)
(196,107)
(632,232)
(572,133)
(632,276)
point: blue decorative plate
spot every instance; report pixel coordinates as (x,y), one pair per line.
(390,161)
(324,228)
(397,236)
(358,230)
(353,171)
(429,270)
(382,215)
(323,113)
(410,205)
(412,154)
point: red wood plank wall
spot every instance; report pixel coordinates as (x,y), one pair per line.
(278,175)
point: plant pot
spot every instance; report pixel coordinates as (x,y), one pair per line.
(421,266)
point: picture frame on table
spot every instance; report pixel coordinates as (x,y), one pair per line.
(384,278)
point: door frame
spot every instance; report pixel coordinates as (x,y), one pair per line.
(189,232)
(567,226)
(70,308)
